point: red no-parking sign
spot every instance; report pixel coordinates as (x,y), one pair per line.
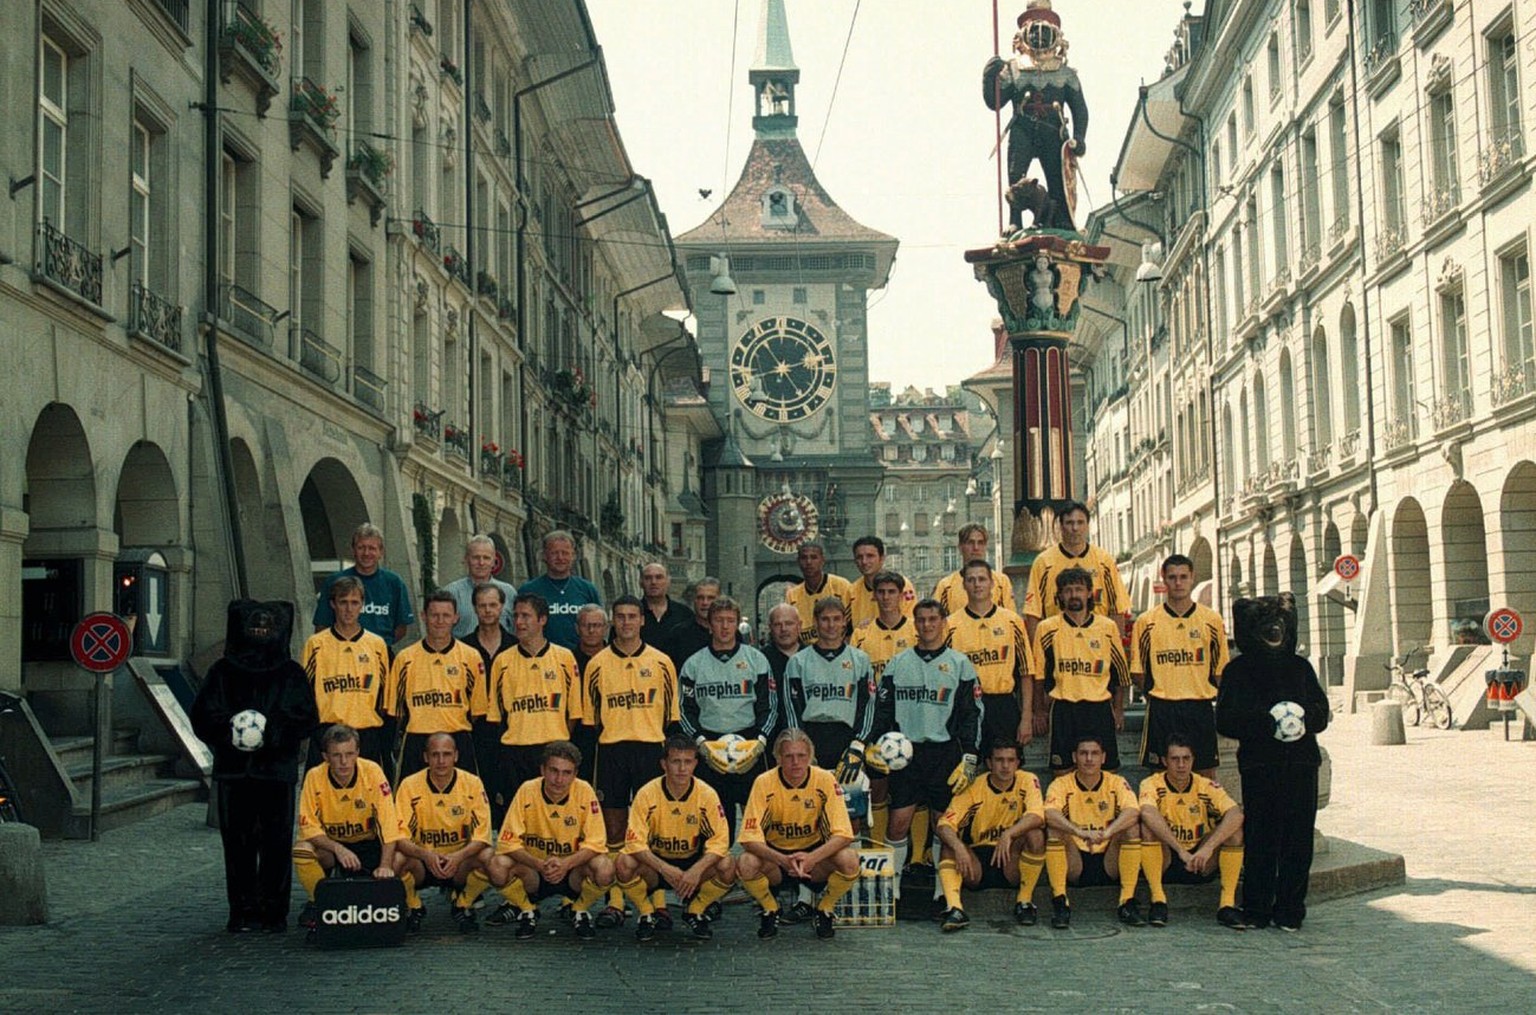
(1503,625)
(101,642)
(1347,567)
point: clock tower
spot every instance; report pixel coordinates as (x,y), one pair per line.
(787,350)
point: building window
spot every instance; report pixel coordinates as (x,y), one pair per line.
(1248,114)
(1383,26)
(1216,164)
(1338,152)
(1404,425)
(1322,401)
(138,202)
(759,297)
(1394,209)
(1260,423)
(1303,32)
(799,294)
(1239,304)
(1349,368)
(1504,86)
(892,523)
(1330,12)
(1278,218)
(920,558)
(1311,200)
(1456,372)
(1232,150)
(1442,145)
(951,558)
(53,113)
(306,283)
(1274,68)
(1220,274)
(920,524)
(360,310)
(1519,348)
(1255,272)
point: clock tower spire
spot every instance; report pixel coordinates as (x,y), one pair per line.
(774,75)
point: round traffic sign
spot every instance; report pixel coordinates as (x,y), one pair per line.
(1503,625)
(100,642)
(1347,567)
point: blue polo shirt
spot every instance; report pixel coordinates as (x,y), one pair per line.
(386,602)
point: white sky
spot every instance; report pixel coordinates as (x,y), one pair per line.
(908,145)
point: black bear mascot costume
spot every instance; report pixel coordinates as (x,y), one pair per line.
(254,711)
(1273,705)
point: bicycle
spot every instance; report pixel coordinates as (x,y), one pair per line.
(10,800)
(1420,697)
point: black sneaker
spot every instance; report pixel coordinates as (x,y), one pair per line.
(699,926)
(239,925)
(825,924)
(663,919)
(610,917)
(309,916)
(505,914)
(1129,914)
(645,927)
(768,924)
(713,910)
(527,924)
(1289,928)
(1157,914)
(464,920)
(413,919)
(955,919)
(800,912)
(1025,914)
(582,924)
(1061,913)
(1231,916)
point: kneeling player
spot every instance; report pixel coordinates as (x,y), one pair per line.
(447,817)
(551,843)
(993,836)
(678,833)
(347,821)
(1194,830)
(1095,834)
(796,827)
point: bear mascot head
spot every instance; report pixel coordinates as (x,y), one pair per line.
(1265,625)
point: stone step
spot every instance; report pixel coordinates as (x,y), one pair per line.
(120,771)
(72,750)
(127,805)
(1519,729)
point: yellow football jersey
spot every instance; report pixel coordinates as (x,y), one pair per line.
(882,644)
(446,819)
(1079,663)
(950,592)
(1090,809)
(362,809)
(1180,657)
(862,605)
(794,818)
(996,645)
(675,828)
(537,696)
(1192,814)
(546,827)
(348,677)
(981,813)
(804,602)
(1109,595)
(436,691)
(630,697)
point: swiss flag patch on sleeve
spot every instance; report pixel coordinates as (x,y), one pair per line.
(594,807)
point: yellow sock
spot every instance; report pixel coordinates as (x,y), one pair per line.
(1030,865)
(412,900)
(659,898)
(517,894)
(710,891)
(615,894)
(1229,860)
(919,836)
(635,892)
(1056,866)
(1152,867)
(591,891)
(306,866)
(950,881)
(474,885)
(762,891)
(879,820)
(1130,868)
(838,885)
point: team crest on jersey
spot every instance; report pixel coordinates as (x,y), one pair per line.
(452,671)
(741,664)
(810,804)
(943,667)
(1194,635)
(997,632)
(645,672)
(362,657)
(570,821)
(1103,805)
(847,664)
(456,811)
(692,819)
(360,804)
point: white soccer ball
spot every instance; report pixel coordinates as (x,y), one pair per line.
(247,730)
(895,750)
(1290,721)
(737,748)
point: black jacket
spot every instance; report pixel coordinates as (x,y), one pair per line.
(1253,683)
(256,672)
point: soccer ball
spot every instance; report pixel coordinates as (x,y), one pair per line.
(737,748)
(1290,721)
(895,750)
(247,730)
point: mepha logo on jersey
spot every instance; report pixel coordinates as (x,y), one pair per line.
(355,914)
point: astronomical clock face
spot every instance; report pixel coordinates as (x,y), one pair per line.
(786,520)
(782,369)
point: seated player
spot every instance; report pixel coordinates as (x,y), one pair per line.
(447,820)
(993,836)
(347,821)
(1193,830)
(1095,834)
(678,833)
(551,843)
(796,828)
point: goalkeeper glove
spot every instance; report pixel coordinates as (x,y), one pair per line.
(851,763)
(876,764)
(751,752)
(714,754)
(964,772)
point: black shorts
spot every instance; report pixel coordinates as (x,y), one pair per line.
(1073,719)
(432,881)
(516,764)
(991,877)
(622,768)
(411,760)
(1176,874)
(1194,719)
(585,739)
(561,888)
(370,853)
(831,740)
(1094,874)
(999,720)
(925,780)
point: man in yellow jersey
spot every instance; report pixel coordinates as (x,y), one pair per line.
(630,697)
(993,639)
(347,667)
(534,698)
(1194,832)
(1080,667)
(678,834)
(869,558)
(436,685)
(551,843)
(818,584)
(1178,651)
(447,820)
(797,827)
(1109,597)
(993,836)
(1094,822)
(891,633)
(347,821)
(950,591)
